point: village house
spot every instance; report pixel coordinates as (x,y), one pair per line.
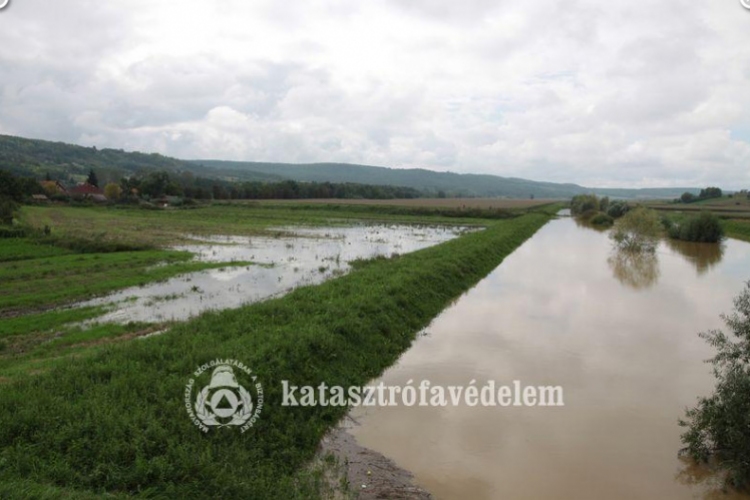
(88,191)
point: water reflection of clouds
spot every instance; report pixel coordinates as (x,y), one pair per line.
(300,256)
(629,360)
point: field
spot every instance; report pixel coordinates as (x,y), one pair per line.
(724,207)
(734,212)
(107,410)
(162,227)
(482,203)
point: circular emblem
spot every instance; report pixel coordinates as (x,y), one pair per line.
(4,3)
(745,3)
(223,401)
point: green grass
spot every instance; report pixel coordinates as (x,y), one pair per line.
(737,228)
(42,322)
(114,421)
(42,350)
(12,249)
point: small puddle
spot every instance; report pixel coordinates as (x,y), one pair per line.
(293,258)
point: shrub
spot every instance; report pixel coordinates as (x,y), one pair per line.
(688,197)
(638,230)
(702,228)
(601,219)
(582,203)
(617,209)
(718,427)
(8,208)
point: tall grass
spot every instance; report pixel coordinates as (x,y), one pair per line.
(737,228)
(115,422)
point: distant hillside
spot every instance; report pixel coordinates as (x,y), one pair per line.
(71,163)
(427,180)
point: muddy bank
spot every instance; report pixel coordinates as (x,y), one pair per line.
(369,474)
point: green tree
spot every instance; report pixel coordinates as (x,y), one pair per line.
(10,187)
(702,228)
(617,209)
(112,191)
(8,208)
(710,192)
(92,178)
(687,197)
(638,230)
(718,427)
(583,203)
(604,204)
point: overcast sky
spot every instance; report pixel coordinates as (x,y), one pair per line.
(633,93)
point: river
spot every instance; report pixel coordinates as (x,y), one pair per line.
(618,335)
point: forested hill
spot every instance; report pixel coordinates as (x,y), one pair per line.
(68,162)
(428,180)
(71,163)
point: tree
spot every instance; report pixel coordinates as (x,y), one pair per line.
(92,178)
(617,209)
(702,228)
(8,208)
(604,204)
(637,231)
(582,203)
(687,197)
(718,427)
(710,192)
(112,191)
(10,187)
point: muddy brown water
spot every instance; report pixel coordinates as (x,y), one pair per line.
(619,335)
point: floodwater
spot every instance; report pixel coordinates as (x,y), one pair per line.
(618,335)
(297,257)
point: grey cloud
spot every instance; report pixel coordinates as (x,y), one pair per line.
(630,93)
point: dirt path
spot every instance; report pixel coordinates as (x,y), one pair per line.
(370,475)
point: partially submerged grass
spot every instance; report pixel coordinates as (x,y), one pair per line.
(42,322)
(737,228)
(115,420)
(46,282)
(166,227)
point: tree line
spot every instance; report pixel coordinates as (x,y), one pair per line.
(187,185)
(155,185)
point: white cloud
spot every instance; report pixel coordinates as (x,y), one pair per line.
(633,94)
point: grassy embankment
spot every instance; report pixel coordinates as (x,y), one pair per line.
(115,421)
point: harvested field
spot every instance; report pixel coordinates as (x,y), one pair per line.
(482,203)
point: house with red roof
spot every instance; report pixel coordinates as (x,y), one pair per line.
(86,190)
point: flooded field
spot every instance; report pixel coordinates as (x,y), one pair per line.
(298,256)
(619,335)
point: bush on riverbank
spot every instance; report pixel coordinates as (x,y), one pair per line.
(702,228)
(597,211)
(718,427)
